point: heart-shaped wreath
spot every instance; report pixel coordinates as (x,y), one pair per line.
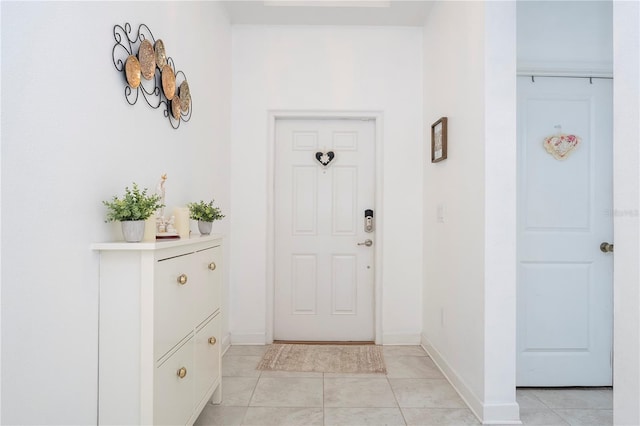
(560,146)
(325,158)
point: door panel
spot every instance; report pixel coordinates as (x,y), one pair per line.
(305,284)
(547,303)
(564,213)
(344,285)
(345,190)
(324,283)
(305,196)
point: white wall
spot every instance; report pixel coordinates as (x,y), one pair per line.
(328,68)
(469,258)
(564,36)
(500,212)
(453,250)
(69,141)
(626,202)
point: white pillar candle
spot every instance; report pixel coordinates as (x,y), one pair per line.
(150,229)
(182,225)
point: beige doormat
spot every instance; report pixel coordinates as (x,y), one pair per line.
(324,358)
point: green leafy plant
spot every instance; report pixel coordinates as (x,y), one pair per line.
(135,205)
(204,212)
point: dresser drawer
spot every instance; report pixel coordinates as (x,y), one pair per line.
(207,356)
(209,263)
(173,387)
(175,292)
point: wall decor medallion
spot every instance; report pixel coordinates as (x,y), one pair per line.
(168,82)
(149,72)
(185,96)
(325,158)
(147,58)
(175,107)
(161,55)
(561,145)
(132,71)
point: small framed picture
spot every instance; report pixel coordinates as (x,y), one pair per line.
(439,140)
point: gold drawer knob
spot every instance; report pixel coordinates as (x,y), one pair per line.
(212,340)
(182,279)
(212,266)
(182,373)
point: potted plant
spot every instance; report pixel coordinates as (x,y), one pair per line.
(132,210)
(205,214)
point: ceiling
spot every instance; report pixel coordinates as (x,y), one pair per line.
(328,12)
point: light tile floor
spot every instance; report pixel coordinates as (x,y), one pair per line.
(413,392)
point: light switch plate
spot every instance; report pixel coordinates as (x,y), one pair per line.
(440,213)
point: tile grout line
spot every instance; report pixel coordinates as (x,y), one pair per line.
(244,416)
(567,421)
(323,407)
(560,415)
(396,399)
(253,392)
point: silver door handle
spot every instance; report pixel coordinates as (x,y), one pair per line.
(606,247)
(367,243)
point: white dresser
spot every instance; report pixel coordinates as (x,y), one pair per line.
(159,352)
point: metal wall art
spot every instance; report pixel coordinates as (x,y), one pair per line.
(149,71)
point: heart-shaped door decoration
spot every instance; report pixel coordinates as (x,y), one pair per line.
(560,146)
(325,158)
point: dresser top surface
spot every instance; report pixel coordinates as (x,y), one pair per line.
(155,245)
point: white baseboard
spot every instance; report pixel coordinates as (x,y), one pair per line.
(401,339)
(498,414)
(248,338)
(504,413)
(465,392)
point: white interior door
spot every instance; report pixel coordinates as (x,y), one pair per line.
(565,212)
(324,280)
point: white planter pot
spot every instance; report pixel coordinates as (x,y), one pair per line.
(133,230)
(204,227)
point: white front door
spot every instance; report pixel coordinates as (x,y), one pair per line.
(564,213)
(324,280)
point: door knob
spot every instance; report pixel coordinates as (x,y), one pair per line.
(366,242)
(606,247)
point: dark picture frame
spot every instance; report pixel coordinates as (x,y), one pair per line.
(439,140)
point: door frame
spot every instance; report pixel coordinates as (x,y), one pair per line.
(377,118)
